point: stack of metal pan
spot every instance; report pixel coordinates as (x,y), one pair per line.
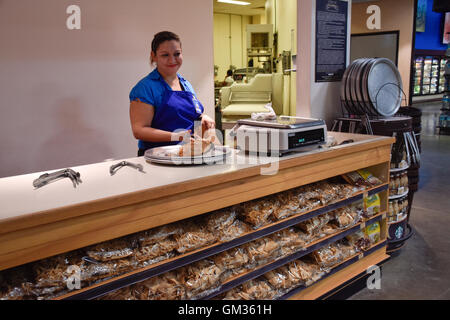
(371,86)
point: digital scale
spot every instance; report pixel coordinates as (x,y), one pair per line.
(281,135)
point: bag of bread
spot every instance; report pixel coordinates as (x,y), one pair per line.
(261,251)
(372,205)
(257,212)
(159,233)
(162,248)
(168,286)
(358,240)
(362,177)
(373,232)
(220,219)
(200,278)
(290,240)
(256,289)
(233,231)
(193,237)
(328,256)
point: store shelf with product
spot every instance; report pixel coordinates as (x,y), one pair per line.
(131,233)
(428,70)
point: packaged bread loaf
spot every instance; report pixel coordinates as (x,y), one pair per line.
(230,259)
(372,205)
(200,278)
(287,205)
(159,233)
(111,250)
(346,216)
(93,272)
(51,274)
(168,286)
(220,219)
(261,251)
(373,232)
(362,177)
(150,252)
(194,236)
(279,279)
(290,240)
(328,256)
(256,289)
(347,249)
(233,231)
(359,240)
(313,225)
(257,212)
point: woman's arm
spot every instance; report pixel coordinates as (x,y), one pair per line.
(141,116)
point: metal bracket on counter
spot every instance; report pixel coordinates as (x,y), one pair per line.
(46,178)
(114,168)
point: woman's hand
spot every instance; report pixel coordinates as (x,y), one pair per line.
(207,123)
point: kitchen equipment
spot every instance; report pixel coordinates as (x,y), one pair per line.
(169,155)
(282,135)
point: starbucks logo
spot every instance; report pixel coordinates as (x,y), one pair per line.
(399,232)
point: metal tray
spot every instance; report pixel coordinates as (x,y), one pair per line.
(168,155)
(384,86)
(354,85)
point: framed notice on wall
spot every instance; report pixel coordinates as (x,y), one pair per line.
(331,40)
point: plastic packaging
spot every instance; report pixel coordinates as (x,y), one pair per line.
(218,220)
(256,289)
(233,231)
(194,237)
(168,286)
(111,250)
(373,232)
(155,250)
(160,233)
(257,212)
(200,278)
(328,256)
(261,251)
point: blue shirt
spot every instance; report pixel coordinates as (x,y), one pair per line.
(151,88)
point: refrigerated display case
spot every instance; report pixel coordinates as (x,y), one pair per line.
(429,75)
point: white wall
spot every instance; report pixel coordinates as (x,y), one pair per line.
(321,99)
(64,94)
(230,42)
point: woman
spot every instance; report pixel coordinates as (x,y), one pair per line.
(228,81)
(163,105)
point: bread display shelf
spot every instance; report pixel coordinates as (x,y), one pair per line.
(349,261)
(38,224)
(310,248)
(143,274)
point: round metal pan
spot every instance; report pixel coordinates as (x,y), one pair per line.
(348,94)
(384,86)
(167,155)
(343,86)
(354,85)
(359,87)
(365,92)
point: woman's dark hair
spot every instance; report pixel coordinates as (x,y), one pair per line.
(162,36)
(229,72)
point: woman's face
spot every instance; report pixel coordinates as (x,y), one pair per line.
(168,57)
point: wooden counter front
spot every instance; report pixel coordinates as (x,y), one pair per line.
(62,218)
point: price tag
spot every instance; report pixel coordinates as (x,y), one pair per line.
(363,225)
(361,255)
